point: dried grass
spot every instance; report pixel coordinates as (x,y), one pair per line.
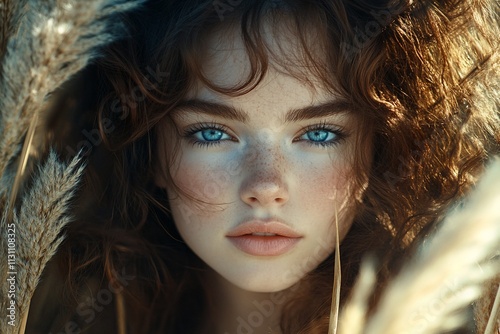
(42,45)
(54,40)
(432,293)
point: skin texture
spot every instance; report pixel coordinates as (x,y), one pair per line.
(260,169)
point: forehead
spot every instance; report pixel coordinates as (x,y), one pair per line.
(226,63)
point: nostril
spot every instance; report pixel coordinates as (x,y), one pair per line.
(264,191)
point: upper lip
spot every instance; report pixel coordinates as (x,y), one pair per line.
(272,225)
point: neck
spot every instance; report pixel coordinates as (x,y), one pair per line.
(236,311)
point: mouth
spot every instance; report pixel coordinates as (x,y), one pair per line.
(264,238)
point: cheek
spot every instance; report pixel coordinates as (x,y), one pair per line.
(325,193)
(207,180)
(209,183)
(326,187)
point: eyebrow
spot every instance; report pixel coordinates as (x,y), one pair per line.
(326,109)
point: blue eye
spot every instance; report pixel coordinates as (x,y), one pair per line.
(207,134)
(320,135)
(323,135)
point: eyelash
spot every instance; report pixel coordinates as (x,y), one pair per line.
(323,126)
(340,135)
(204,126)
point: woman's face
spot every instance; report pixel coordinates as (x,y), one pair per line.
(275,166)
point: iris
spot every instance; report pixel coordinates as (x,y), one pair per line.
(320,135)
(211,134)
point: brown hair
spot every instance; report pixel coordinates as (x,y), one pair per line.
(422,75)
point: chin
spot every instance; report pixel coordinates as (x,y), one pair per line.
(262,284)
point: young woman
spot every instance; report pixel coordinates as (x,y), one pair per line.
(231,143)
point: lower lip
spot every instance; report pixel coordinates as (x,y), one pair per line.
(264,245)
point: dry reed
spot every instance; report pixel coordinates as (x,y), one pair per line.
(433,292)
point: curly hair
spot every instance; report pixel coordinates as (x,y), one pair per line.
(424,77)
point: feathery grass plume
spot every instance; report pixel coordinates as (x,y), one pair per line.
(10,12)
(39,222)
(433,291)
(54,40)
(353,315)
(44,47)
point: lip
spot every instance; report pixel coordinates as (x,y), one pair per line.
(280,240)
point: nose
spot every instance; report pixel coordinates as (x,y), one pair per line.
(265,185)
